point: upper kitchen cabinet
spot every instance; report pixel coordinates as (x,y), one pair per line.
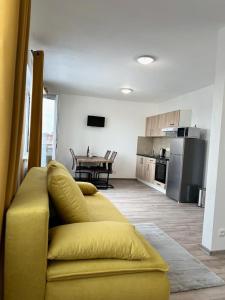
(154,130)
(152,126)
(172,119)
(148,126)
(162,124)
(155,124)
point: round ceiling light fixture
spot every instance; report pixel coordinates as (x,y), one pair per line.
(145,59)
(126,91)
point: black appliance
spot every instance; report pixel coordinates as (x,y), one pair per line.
(96,121)
(162,153)
(160,170)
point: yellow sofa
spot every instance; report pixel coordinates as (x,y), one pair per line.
(29,275)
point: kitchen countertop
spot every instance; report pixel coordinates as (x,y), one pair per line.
(151,156)
(148,155)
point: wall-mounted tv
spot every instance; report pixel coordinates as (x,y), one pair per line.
(95,121)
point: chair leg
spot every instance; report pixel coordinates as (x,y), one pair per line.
(109,186)
(90,177)
(107,181)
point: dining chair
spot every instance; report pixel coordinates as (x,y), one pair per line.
(107,154)
(107,169)
(73,159)
(110,164)
(79,170)
(103,165)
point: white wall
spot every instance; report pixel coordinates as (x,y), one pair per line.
(200,102)
(125,121)
(214,220)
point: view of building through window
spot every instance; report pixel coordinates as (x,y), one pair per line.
(48,130)
(27,113)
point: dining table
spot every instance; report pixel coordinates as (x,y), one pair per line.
(95,160)
(92,160)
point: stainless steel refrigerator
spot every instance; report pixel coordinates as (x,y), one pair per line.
(186,166)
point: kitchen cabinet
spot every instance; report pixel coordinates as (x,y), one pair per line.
(155,124)
(154,131)
(140,167)
(148,126)
(172,119)
(162,120)
(152,126)
(145,169)
(149,169)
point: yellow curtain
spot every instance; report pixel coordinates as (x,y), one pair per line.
(19,101)
(36,111)
(14,32)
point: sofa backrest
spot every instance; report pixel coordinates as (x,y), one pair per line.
(26,239)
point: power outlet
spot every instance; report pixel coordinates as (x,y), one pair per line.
(221,232)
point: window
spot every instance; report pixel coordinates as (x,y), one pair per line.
(49,119)
(27,114)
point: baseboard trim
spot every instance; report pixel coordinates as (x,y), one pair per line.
(212,252)
(156,187)
(122,178)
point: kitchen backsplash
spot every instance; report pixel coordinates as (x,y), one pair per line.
(161,142)
(144,145)
(150,145)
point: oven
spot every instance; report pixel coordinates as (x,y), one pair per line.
(160,170)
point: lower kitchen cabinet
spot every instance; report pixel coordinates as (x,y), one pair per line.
(145,169)
(140,167)
(149,169)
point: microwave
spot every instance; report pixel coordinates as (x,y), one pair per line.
(189,132)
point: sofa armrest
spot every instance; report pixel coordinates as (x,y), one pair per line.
(26,240)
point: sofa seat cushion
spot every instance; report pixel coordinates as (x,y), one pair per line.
(101,209)
(67,270)
(136,286)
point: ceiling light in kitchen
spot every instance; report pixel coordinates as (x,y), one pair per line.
(126,91)
(145,60)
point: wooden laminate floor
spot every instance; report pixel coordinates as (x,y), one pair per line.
(183,222)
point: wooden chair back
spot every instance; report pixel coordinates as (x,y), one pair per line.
(74,162)
(113,156)
(107,154)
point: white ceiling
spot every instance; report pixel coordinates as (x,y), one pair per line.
(91,45)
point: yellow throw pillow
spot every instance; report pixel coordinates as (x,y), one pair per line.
(67,196)
(87,188)
(94,240)
(56,164)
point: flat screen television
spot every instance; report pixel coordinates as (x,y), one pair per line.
(96,121)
